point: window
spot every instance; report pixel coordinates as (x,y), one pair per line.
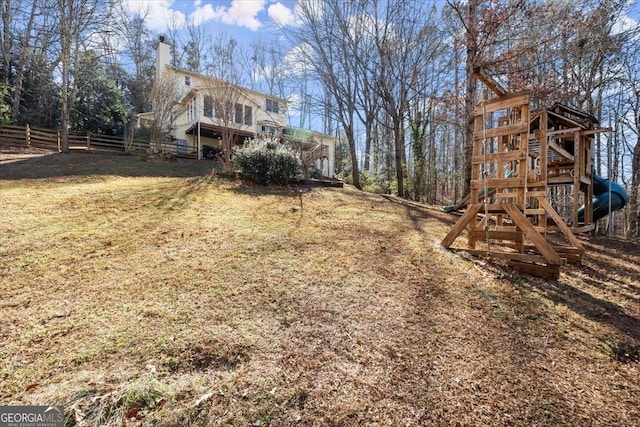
(219,110)
(191,110)
(268,130)
(272,106)
(208,106)
(223,110)
(248,115)
(238,115)
(187,80)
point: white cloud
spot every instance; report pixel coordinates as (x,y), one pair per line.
(625,23)
(242,13)
(158,12)
(296,60)
(281,14)
(203,13)
(293,104)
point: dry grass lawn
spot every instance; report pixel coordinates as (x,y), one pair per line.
(138,293)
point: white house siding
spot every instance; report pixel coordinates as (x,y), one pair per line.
(197,85)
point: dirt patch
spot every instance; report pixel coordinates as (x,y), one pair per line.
(10,154)
(206,355)
(51,165)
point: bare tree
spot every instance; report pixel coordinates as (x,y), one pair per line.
(20,39)
(407,40)
(628,129)
(7,10)
(194,48)
(175,33)
(263,63)
(561,51)
(368,100)
(229,102)
(328,43)
(134,48)
(78,18)
(22,61)
(164,98)
(485,41)
(300,82)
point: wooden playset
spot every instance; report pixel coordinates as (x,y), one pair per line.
(531,184)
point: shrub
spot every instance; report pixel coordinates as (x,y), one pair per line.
(5,109)
(212,153)
(373,183)
(266,161)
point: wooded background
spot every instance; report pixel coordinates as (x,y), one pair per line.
(393,79)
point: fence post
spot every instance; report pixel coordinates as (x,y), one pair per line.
(59,149)
(89,141)
(27,135)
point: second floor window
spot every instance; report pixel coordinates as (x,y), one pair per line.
(191,111)
(187,80)
(272,106)
(227,111)
(208,106)
(223,110)
(248,115)
(238,115)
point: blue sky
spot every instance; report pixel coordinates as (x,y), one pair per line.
(243,19)
(635,10)
(240,18)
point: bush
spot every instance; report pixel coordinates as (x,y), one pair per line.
(373,183)
(266,161)
(212,153)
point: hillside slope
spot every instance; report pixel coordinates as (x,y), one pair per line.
(159,294)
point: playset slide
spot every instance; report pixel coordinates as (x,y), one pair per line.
(619,198)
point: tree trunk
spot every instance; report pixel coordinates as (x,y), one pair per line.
(228,146)
(634,213)
(367,148)
(64,109)
(470,99)
(458,134)
(355,173)
(21,65)
(399,154)
(419,151)
(6,9)
(467,149)
(65,59)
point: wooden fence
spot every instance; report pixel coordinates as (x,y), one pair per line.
(29,136)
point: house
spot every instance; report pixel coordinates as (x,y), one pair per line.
(210,111)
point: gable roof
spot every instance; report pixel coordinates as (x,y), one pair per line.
(212,89)
(218,81)
(575,114)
